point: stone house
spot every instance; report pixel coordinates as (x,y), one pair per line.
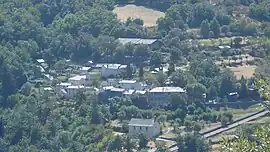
(147,127)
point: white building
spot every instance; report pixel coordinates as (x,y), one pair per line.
(156,70)
(161,95)
(63,85)
(147,127)
(131,84)
(84,70)
(78,80)
(40,61)
(152,43)
(112,70)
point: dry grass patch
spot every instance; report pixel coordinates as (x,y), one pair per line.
(149,16)
(246,71)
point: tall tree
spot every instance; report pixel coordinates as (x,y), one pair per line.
(171,68)
(141,72)
(227,83)
(205,29)
(129,71)
(129,145)
(1,127)
(243,90)
(115,144)
(215,27)
(96,117)
(142,141)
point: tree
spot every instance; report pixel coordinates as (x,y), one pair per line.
(142,141)
(181,78)
(171,68)
(156,59)
(129,145)
(178,100)
(197,126)
(60,65)
(141,72)
(192,142)
(96,117)
(161,148)
(205,29)
(161,78)
(129,72)
(180,113)
(8,83)
(224,120)
(243,90)
(195,92)
(260,141)
(115,144)
(237,41)
(227,83)
(1,127)
(215,27)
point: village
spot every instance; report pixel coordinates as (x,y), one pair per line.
(109,80)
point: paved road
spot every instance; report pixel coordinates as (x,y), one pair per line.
(233,125)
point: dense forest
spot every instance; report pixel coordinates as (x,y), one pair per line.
(83,30)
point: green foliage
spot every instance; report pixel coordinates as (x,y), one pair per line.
(259,143)
(227,84)
(192,142)
(161,78)
(195,92)
(259,10)
(142,141)
(87,30)
(215,27)
(205,29)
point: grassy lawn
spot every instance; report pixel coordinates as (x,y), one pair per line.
(216,42)
(240,113)
(149,16)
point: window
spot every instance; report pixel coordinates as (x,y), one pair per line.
(134,128)
(140,128)
(146,128)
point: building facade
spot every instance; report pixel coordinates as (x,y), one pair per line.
(112,70)
(160,96)
(147,127)
(78,80)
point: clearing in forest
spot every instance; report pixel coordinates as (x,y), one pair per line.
(149,16)
(246,71)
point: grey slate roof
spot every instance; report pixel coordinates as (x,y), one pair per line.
(141,122)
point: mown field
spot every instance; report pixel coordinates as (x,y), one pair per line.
(149,16)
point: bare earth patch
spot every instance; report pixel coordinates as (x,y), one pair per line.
(149,16)
(246,71)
